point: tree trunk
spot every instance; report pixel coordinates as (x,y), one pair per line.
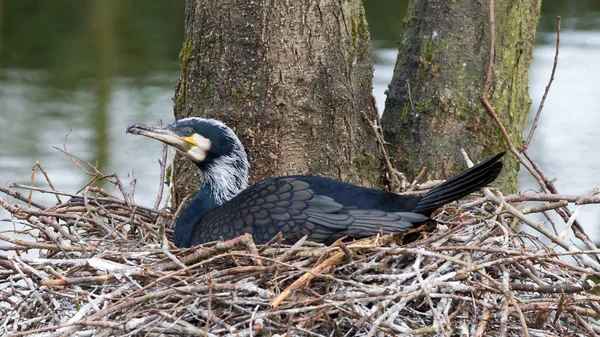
(433,106)
(293,79)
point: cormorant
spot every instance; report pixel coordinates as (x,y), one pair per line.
(322,208)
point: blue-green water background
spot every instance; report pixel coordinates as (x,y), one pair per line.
(94,66)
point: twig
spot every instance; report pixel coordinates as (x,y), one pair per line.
(37,164)
(381,142)
(539,110)
(163,167)
(288,291)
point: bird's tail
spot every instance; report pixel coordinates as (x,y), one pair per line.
(460,185)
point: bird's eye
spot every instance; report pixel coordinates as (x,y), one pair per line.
(189,132)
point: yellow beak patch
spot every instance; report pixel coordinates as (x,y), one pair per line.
(191,140)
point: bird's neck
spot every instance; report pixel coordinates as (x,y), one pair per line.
(202,203)
(226,177)
(222,179)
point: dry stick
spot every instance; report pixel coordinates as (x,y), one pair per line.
(412,106)
(90,279)
(511,147)
(586,260)
(307,276)
(37,164)
(110,199)
(553,289)
(485,316)
(161,294)
(508,295)
(179,272)
(585,324)
(504,308)
(417,179)
(44,190)
(488,79)
(520,254)
(381,143)
(539,110)
(574,215)
(75,158)
(39,245)
(564,212)
(545,207)
(19,196)
(96,174)
(209,308)
(32,212)
(70,328)
(163,164)
(202,253)
(427,295)
(577,199)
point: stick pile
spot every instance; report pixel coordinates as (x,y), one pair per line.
(98,265)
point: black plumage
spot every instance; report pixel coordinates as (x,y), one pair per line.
(322,208)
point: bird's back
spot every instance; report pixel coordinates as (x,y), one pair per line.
(322,208)
(327,209)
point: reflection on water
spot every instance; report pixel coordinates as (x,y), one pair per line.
(95,66)
(35,127)
(87,69)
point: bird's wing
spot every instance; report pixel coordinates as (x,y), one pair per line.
(369,222)
(289,206)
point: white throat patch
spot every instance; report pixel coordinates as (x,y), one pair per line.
(198,152)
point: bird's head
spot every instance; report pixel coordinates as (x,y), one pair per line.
(211,145)
(201,140)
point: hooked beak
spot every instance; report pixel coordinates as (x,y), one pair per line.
(163,133)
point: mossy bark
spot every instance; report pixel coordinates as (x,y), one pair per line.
(433,107)
(293,79)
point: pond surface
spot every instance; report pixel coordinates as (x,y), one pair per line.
(89,68)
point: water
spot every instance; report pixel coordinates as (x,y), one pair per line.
(565,143)
(86,69)
(95,66)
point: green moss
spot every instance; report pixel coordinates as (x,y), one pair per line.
(364,164)
(242,93)
(181,96)
(405,112)
(360,163)
(185,55)
(354,28)
(424,107)
(237,97)
(204,90)
(365,37)
(168,174)
(427,50)
(203,86)
(360,38)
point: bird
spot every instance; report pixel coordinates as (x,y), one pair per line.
(321,208)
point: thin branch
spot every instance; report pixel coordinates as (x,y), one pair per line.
(539,110)
(161,180)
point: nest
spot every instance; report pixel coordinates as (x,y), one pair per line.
(99,265)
